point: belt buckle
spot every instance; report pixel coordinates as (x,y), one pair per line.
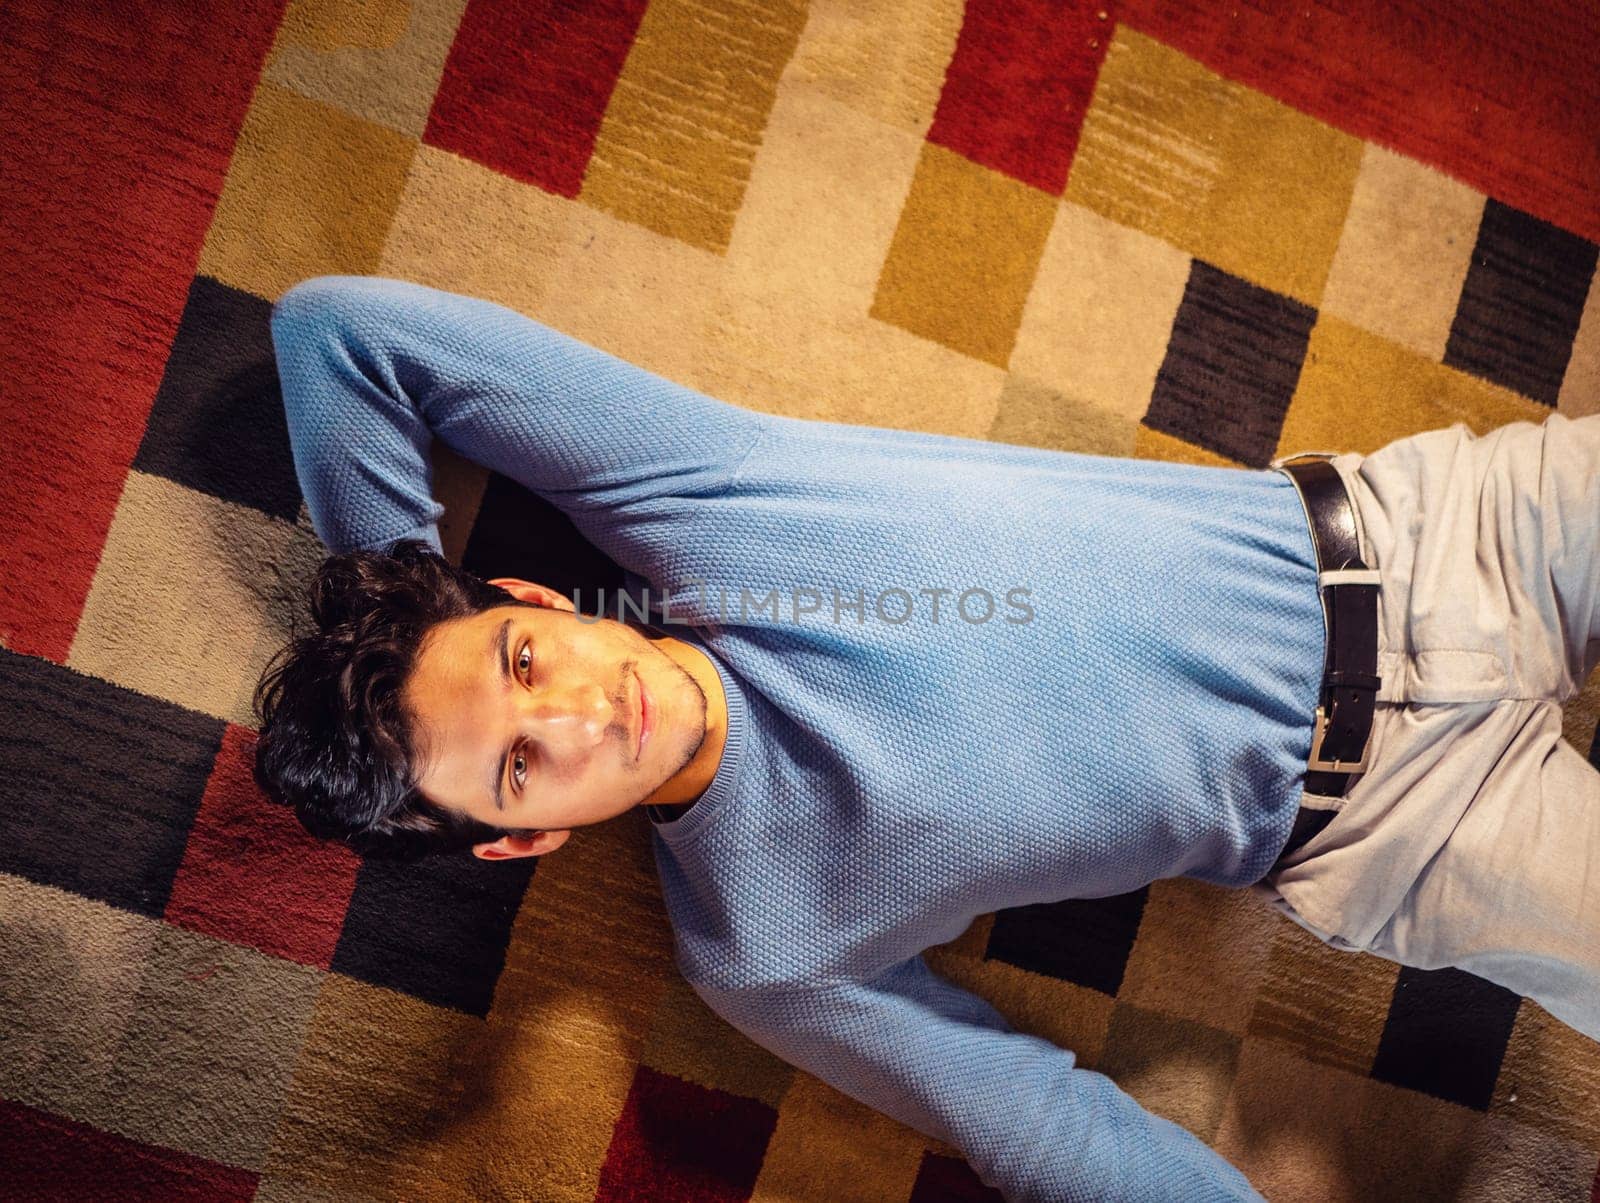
(1318,765)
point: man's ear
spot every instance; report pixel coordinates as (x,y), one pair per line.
(508,846)
(538,595)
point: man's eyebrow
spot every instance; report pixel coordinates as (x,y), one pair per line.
(500,650)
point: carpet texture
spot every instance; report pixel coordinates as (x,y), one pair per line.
(1184,230)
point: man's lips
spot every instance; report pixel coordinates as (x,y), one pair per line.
(646,717)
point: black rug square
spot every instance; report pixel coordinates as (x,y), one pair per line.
(217,424)
(436,929)
(1231,366)
(518,533)
(1086,941)
(1446,1035)
(1521,302)
(99,785)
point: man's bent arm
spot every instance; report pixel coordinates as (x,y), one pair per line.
(374,368)
(942,1060)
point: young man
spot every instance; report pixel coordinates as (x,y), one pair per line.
(892,681)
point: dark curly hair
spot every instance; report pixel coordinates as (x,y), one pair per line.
(335,742)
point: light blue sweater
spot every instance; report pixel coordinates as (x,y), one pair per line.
(884,782)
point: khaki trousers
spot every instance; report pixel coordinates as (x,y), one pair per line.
(1473,838)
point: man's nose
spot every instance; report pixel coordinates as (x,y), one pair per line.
(568,718)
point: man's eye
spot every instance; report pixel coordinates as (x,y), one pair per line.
(527,651)
(514,776)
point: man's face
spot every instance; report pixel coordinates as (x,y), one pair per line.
(526,716)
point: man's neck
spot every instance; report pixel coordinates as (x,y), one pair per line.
(685,786)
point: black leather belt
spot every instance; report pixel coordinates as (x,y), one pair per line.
(1349,592)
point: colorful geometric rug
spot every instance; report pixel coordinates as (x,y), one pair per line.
(1213,232)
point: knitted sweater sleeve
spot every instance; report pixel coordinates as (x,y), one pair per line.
(373,369)
(942,1060)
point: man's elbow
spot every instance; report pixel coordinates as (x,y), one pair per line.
(315,304)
